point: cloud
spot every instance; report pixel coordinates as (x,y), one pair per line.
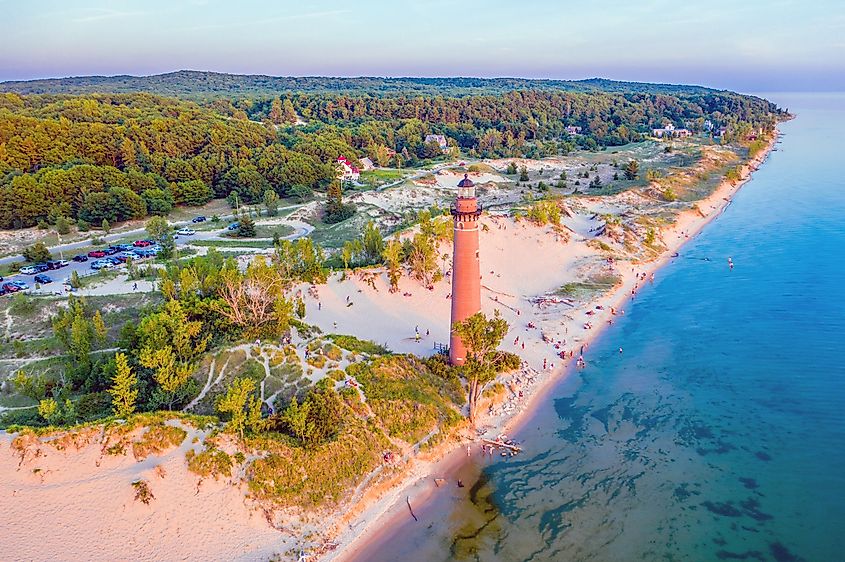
(105,14)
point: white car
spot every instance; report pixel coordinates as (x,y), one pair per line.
(186,231)
(29,270)
(102,264)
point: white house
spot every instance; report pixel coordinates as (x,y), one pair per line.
(439,139)
(573,130)
(348,172)
(669,131)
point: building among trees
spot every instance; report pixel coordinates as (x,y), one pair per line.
(348,171)
(439,139)
(669,131)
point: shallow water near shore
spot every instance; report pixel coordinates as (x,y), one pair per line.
(718,432)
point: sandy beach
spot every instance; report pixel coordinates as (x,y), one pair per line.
(79,492)
(375,519)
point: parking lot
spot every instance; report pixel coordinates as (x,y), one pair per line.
(60,276)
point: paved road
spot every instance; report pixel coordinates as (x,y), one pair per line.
(71,249)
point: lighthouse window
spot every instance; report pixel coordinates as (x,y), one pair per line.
(476,254)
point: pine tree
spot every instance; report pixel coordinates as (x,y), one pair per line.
(276,111)
(271,203)
(99,326)
(288,112)
(62,225)
(123,390)
(246,226)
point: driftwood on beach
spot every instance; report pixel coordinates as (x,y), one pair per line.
(513,448)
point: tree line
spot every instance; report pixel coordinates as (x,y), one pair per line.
(116,157)
(119,157)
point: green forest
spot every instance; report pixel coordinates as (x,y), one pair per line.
(119,156)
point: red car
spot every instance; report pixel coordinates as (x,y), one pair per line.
(96,254)
(9,288)
(142,243)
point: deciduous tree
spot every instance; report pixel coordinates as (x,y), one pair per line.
(243,407)
(124,389)
(481,336)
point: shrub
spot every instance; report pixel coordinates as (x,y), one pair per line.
(336,374)
(157,439)
(143,493)
(22,305)
(38,252)
(94,406)
(210,462)
(333,352)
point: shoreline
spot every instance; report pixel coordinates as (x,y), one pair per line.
(370,521)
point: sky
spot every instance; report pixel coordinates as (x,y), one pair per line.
(742,45)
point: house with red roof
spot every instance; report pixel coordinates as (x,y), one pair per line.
(347,170)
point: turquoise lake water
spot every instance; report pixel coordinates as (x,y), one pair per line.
(719,433)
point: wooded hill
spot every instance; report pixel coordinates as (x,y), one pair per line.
(119,156)
(193,84)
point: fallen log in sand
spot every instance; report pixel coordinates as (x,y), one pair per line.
(513,448)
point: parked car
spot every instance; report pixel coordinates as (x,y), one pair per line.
(42,267)
(22,286)
(200,218)
(57,264)
(122,247)
(80,258)
(186,231)
(96,254)
(233,226)
(29,270)
(110,251)
(102,264)
(10,288)
(43,279)
(130,254)
(142,243)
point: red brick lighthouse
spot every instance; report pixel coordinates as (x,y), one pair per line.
(466,271)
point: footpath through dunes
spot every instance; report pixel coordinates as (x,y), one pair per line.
(528,273)
(532,265)
(74,498)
